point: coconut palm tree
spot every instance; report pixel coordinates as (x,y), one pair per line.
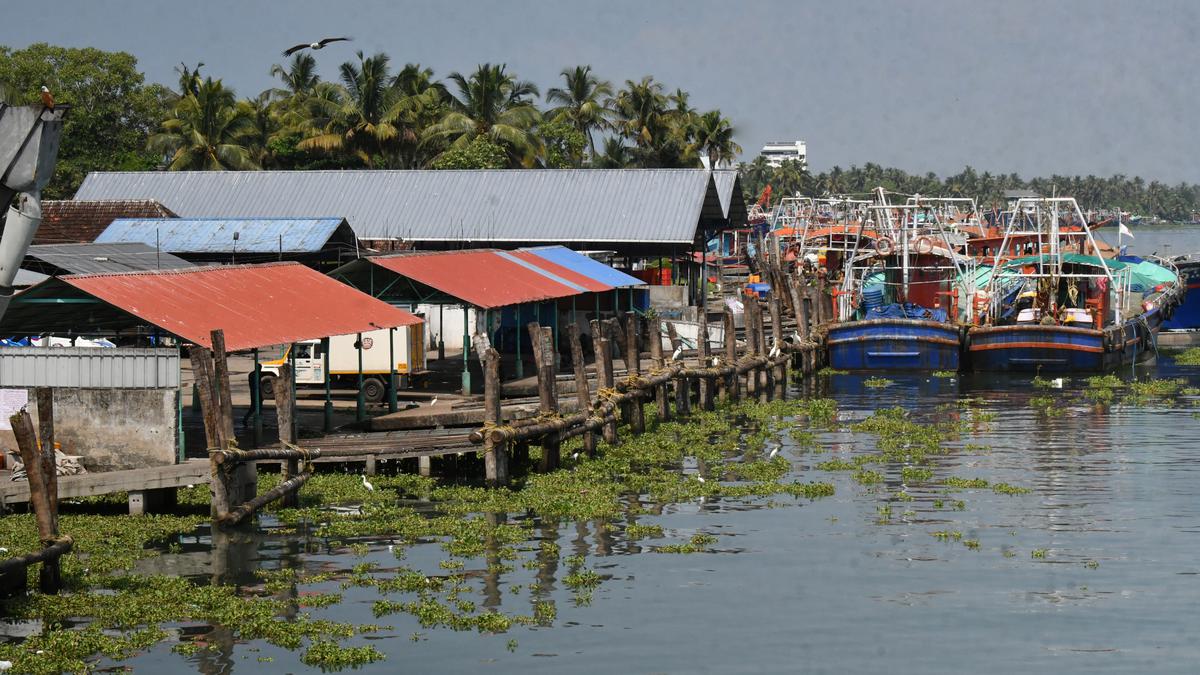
(355,117)
(583,102)
(299,78)
(641,110)
(494,104)
(207,130)
(712,135)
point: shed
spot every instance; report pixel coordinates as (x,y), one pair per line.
(495,292)
(256,305)
(55,259)
(729,191)
(315,241)
(66,221)
(636,212)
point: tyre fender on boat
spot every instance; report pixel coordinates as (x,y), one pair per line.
(885,246)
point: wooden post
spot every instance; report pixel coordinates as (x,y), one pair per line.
(732,387)
(706,384)
(751,327)
(582,396)
(780,374)
(683,390)
(285,410)
(633,358)
(823,309)
(764,373)
(800,309)
(604,374)
(221,371)
(50,578)
(244,478)
(495,456)
(214,431)
(45,410)
(654,338)
(543,352)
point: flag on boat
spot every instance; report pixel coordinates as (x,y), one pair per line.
(1125,232)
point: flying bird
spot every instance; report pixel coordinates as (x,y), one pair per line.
(367,484)
(47,97)
(315,45)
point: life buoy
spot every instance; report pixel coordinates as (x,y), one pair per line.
(923,245)
(885,246)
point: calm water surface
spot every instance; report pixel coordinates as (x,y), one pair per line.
(826,586)
(829,585)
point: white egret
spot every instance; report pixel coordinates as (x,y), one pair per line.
(677,353)
(367,484)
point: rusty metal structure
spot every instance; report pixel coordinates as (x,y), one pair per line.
(29,139)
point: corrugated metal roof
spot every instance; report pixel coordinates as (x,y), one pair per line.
(216,235)
(729,190)
(256,305)
(102,258)
(28,277)
(579,263)
(576,205)
(89,367)
(67,220)
(580,281)
(482,278)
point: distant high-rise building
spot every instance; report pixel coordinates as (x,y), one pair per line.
(778,152)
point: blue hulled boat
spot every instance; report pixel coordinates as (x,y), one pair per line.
(1063,310)
(901,301)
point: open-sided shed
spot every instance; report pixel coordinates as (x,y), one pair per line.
(503,290)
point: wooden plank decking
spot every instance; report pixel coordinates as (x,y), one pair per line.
(191,472)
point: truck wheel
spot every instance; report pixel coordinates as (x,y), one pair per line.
(266,386)
(373,390)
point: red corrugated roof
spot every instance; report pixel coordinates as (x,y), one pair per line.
(256,305)
(563,272)
(480,278)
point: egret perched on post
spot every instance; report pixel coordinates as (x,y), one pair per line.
(367,484)
(775,351)
(677,353)
(716,361)
(433,401)
(796,337)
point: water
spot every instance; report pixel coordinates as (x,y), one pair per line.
(826,585)
(1164,239)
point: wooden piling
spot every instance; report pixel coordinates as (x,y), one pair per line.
(45,410)
(683,392)
(221,373)
(285,411)
(637,420)
(780,370)
(706,383)
(750,328)
(495,455)
(654,338)
(732,384)
(44,510)
(545,357)
(604,374)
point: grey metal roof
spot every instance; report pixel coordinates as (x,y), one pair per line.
(527,206)
(217,235)
(729,190)
(100,258)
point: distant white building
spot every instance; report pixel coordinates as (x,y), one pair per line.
(776,153)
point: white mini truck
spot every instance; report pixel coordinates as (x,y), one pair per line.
(408,348)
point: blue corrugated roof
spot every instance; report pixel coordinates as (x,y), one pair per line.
(215,235)
(581,264)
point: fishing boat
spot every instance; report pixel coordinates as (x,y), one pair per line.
(1061,306)
(900,304)
(1186,315)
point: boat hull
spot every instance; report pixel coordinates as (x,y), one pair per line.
(1186,315)
(1060,349)
(894,344)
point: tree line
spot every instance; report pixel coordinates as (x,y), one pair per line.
(375,115)
(1155,199)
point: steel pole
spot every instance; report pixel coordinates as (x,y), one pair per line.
(328,426)
(360,408)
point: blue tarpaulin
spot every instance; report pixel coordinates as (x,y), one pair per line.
(906,311)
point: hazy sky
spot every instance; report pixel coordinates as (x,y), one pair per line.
(1033,86)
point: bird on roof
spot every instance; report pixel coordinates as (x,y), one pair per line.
(315,45)
(47,97)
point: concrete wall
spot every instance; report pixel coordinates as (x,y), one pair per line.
(111,429)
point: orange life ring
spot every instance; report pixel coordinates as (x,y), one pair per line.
(923,245)
(885,246)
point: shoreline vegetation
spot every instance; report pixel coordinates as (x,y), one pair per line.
(377,114)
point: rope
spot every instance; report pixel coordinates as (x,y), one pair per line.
(607,394)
